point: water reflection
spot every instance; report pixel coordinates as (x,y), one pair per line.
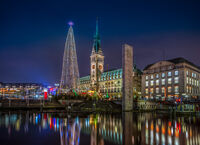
(128,129)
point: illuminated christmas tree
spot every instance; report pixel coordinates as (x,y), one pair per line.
(70,71)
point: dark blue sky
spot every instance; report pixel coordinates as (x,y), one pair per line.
(33,33)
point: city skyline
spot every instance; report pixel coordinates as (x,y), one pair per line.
(32,43)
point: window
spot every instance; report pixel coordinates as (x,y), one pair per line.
(187,89)
(151,90)
(176,89)
(169,80)
(157,76)
(192,74)
(163,81)
(190,89)
(147,83)
(187,80)
(147,77)
(157,82)
(176,73)
(163,75)
(157,90)
(169,74)
(163,89)
(146,91)
(152,83)
(169,89)
(187,73)
(151,76)
(190,80)
(176,80)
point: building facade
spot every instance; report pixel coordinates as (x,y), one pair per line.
(110,83)
(171,78)
(20,89)
(107,83)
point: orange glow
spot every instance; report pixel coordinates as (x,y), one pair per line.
(169,131)
(151,126)
(176,133)
(163,130)
(169,123)
(190,133)
(157,128)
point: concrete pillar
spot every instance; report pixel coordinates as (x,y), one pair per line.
(127,88)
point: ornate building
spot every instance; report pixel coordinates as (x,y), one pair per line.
(70,71)
(109,82)
(96,61)
(176,77)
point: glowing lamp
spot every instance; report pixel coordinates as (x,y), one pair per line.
(71,23)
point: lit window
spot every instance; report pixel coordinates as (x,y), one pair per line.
(151,76)
(176,89)
(187,73)
(163,81)
(147,77)
(157,82)
(169,89)
(176,80)
(176,73)
(187,79)
(152,83)
(163,75)
(146,91)
(147,83)
(169,73)
(151,90)
(157,75)
(157,90)
(192,74)
(163,89)
(169,80)
(187,89)
(190,81)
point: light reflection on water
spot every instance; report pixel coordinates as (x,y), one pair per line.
(100,129)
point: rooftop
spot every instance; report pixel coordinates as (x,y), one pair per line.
(176,61)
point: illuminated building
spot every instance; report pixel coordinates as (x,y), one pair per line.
(70,71)
(176,77)
(20,89)
(109,82)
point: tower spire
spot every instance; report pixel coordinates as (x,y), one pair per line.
(97,28)
(96,45)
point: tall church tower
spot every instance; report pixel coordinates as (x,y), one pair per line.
(96,61)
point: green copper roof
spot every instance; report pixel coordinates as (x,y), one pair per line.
(97,41)
(113,74)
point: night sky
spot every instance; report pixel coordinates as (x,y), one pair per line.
(33,33)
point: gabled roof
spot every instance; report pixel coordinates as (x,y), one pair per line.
(176,61)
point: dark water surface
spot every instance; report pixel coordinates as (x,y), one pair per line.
(28,128)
